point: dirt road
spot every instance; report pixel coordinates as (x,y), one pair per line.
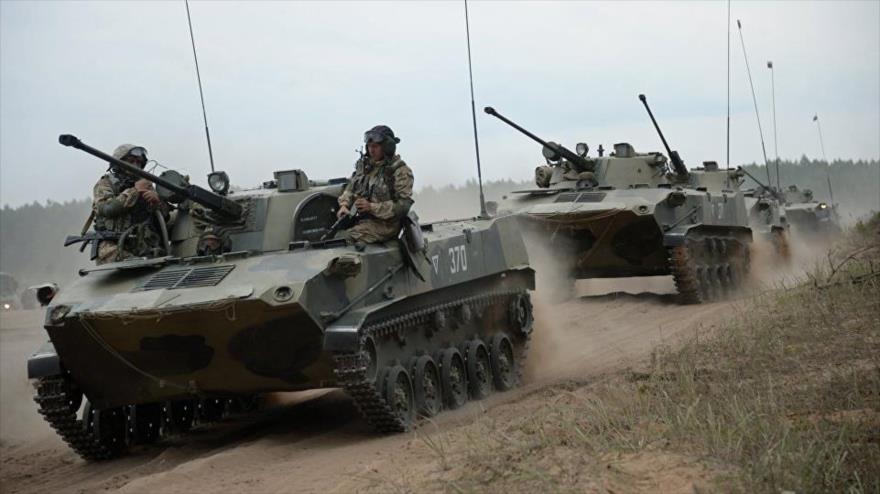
(315,442)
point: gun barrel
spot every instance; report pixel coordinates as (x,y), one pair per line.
(677,163)
(212,201)
(561,150)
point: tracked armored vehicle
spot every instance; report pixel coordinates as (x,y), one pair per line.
(767,217)
(630,214)
(809,216)
(248,298)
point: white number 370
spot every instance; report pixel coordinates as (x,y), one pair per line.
(457,259)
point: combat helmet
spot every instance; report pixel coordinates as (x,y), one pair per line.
(382,134)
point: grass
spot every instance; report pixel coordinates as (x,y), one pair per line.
(784,398)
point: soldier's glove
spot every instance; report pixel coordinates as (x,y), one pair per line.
(151,197)
(363,205)
(143,185)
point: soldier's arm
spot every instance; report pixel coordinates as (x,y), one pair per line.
(109,205)
(403,188)
(345,197)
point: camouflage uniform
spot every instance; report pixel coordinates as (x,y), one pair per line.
(120,210)
(388,186)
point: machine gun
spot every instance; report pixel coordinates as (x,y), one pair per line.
(556,151)
(225,209)
(677,163)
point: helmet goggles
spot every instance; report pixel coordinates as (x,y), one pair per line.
(374,136)
(137,152)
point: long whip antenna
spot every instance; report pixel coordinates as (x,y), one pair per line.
(824,157)
(199,78)
(728,93)
(467,28)
(775,139)
(755,101)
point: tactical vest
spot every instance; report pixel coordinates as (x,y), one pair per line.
(365,183)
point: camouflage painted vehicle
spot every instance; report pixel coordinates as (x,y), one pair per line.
(630,214)
(809,216)
(408,327)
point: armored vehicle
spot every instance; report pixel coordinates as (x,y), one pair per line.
(766,207)
(631,214)
(809,216)
(250,297)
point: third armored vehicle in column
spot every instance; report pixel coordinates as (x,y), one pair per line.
(637,214)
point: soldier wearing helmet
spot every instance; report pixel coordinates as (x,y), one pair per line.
(124,210)
(380,189)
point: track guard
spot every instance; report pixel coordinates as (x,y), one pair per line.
(44,362)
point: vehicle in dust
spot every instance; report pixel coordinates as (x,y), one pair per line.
(12,297)
(151,346)
(767,217)
(808,216)
(630,214)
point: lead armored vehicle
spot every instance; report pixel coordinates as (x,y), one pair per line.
(249,298)
(632,214)
(809,216)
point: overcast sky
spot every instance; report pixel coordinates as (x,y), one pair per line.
(295,84)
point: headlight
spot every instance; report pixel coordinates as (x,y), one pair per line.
(676,199)
(823,206)
(6,306)
(582,149)
(219,182)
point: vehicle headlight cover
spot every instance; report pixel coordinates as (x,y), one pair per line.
(218,182)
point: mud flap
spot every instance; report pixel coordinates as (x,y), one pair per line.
(44,362)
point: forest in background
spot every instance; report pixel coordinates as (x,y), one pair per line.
(32,236)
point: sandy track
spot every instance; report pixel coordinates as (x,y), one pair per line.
(315,442)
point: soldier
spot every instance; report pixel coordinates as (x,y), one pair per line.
(124,209)
(380,189)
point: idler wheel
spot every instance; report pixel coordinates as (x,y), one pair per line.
(453,375)
(398,394)
(479,369)
(503,362)
(520,314)
(427,390)
(106,426)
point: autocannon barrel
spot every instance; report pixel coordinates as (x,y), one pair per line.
(677,163)
(557,148)
(224,207)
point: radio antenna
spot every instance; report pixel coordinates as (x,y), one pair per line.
(199,78)
(824,157)
(755,101)
(467,29)
(775,136)
(728,93)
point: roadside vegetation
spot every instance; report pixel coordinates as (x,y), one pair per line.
(783,398)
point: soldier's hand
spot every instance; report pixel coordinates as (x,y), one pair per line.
(151,197)
(143,185)
(342,211)
(362,205)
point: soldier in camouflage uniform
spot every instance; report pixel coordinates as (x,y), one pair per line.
(124,208)
(380,189)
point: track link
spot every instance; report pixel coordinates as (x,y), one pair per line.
(56,401)
(351,368)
